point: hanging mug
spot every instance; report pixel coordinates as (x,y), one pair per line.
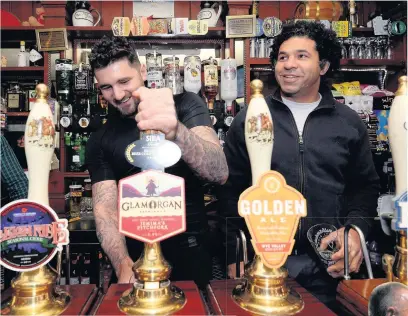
(83,17)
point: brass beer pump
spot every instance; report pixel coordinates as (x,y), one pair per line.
(34,292)
(152,293)
(396,266)
(264,290)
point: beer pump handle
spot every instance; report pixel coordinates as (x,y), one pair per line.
(363,247)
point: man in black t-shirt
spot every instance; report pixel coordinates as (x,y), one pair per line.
(184,119)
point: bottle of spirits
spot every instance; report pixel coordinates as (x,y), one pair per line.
(82,79)
(74,277)
(66,115)
(85,269)
(22,60)
(211,85)
(35,58)
(229,86)
(154,70)
(16,98)
(192,74)
(64,80)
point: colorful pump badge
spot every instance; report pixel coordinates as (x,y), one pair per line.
(31,234)
(272,210)
(152,206)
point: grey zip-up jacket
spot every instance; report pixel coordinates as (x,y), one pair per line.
(331,165)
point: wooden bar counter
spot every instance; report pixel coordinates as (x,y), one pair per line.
(194,305)
(353,295)
(82,297)
(222,303)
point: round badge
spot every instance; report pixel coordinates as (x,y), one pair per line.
(259,30)
(83,122)
(228,120)
(31,234)
(272,26)
(213,119)
(65,121)
(152,153)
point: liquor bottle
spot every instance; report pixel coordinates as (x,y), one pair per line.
(76,148)
(74,278)
(221,136)
(85,116)
(82,79)
(192,74)
(86,203)
(64,80)
(16,98)
(35,58)
(228,118)
(154,70)
(85,269)
(66,114)
(63,277)
(22,56)
(211,85)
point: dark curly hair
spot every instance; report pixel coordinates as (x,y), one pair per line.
(327,43)
(111,49)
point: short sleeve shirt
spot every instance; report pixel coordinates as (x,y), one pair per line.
(105,154)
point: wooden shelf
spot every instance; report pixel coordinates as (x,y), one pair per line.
(259,61)
(17,113)
(343,62)
(363,30)
(372,62)
(33,68)
(76,174)
(11,36)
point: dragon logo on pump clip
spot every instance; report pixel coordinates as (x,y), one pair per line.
(30,235)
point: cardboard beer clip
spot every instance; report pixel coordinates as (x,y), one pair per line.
(152,206)
(272,210)
(121,26)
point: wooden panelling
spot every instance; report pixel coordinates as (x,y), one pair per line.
(194,9)
(268,8)
(287,10)
(111,9)
(23,9)
(182,9)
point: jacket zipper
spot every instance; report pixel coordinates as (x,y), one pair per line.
(301,169)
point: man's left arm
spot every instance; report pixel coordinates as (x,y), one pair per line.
(201,150)
(363,186)
(362,193)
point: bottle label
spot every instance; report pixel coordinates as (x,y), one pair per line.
(192,73)
(213,119)
(230,73)
(155,79)
(13,101)
(211,75)
(65,121)
(63,66)
(75,158)
(228,120)
(81,80)
(35,56)
(84,122)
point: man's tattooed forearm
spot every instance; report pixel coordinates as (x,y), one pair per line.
(105,210)
(206,159)
(112,242)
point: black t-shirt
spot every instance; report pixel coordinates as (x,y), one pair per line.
(105,159)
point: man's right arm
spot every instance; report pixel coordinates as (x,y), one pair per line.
(113,243)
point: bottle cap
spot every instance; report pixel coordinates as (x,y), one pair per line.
(22,43)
